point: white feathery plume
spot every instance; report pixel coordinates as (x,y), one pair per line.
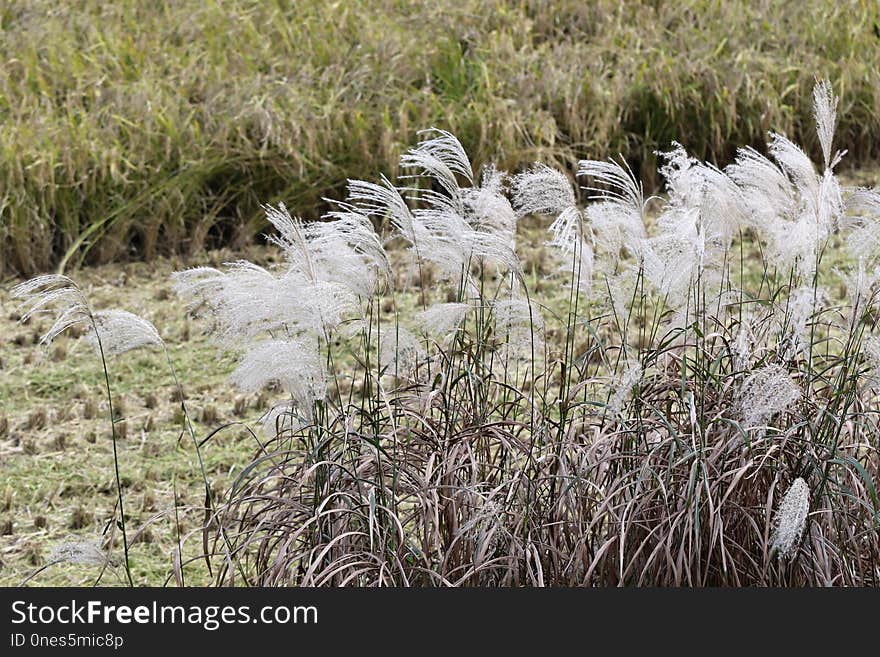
(825,111)
(681,176)
(831,206)
(78,552)
(614,228)
(871,350)
(766,392)
(578,261)
(619,291)
(863,201)
(768,195)
(788,204)
(861,285)
(803,303)
(515,315)
(486,207)
(623,384)
(674,258)
(293,364)
(445,149)
(567,231)
(463,226)
(792,206)
(439,223)
(696,185)
(793,245)
(819,198)
(450,244)
(357,230)
(791,518)
(53,293)
(862,210)
(400,350)
(243,301)
(695,230)
(441,158)
(796,164)
(248,300)
(346,250)
(441,320)
(489,248)
(619,184)
(291,239)
(384,201)
(197,284)
(542,190)
(120,331)
(722,204)
(519,327)
(743,344)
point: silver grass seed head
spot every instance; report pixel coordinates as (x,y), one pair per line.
(767,194)
(291,238)
(765,393)
(53,293)
(515,314)
(487,208)
(446,149)
(194,285)
(619,183)
(615,228)
(78,552)
(357,230)
(617,291)
(542,190)
(345,250)
(400,351)
(744,344)
(861,207)
(861,286)
(803,304)
(622,385)
(442,320)
(294,364)
(825,112)
(383,201)
(795,163)
(519,327)
(441,158)
(120,331)
(791,518)
(248,300)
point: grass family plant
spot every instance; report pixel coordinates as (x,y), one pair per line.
(689,400)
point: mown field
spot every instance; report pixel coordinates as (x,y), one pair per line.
(136,128)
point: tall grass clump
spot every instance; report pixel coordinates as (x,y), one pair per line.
(130,129)
(695,407)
